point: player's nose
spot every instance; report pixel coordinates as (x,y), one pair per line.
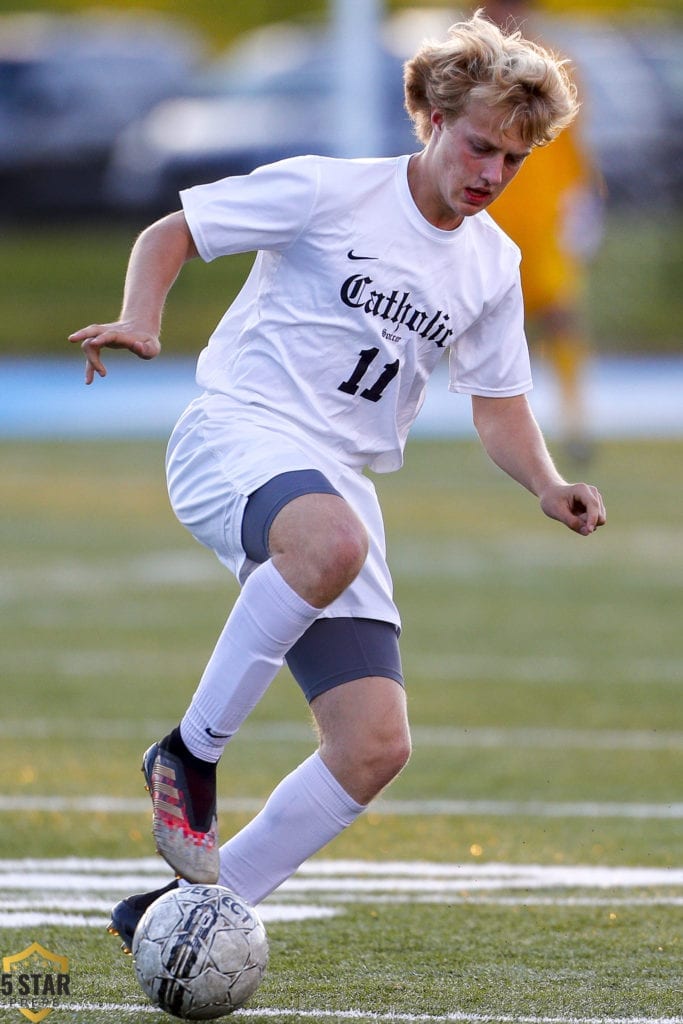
(492,171)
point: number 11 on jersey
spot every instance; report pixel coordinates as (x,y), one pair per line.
(373,393)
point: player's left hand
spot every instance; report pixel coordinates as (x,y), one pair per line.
(122,334)
(578,506)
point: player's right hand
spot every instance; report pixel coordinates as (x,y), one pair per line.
(115,335)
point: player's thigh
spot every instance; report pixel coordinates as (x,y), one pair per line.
(361,712)
(220,468)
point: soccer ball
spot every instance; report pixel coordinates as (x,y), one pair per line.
(200,952)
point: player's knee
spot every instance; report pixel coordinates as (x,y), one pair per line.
(393,760)
(320,545)
(379,763)
(333,565)
(346,551)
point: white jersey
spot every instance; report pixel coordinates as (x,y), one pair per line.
(351,302)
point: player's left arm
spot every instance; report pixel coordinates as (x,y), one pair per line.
(513,440)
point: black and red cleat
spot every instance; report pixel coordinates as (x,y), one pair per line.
(186,840)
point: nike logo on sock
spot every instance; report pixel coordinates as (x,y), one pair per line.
(217,735)
(352,256)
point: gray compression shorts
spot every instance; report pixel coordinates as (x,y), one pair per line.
(333,650)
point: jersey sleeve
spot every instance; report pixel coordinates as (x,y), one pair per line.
(491,357)
(266,209)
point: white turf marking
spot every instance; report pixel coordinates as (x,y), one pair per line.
(86,875)
(547,670)
(457,1017)
(484,738)
(77,892)
(39,919)
(277,914)
(272,913)
(73,892)
(399,808)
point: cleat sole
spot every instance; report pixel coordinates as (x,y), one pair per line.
(125,949)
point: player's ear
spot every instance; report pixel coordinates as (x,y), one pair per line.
(437,119)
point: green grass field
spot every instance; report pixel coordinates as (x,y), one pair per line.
(500,877)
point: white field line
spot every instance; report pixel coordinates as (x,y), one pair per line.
(656,549)
(90,873)
(483,738)
(53,883)
(399,808)
(23,915)
(79,892)
(561,671)
(75,892)
(42,918)
(457,1017)
(474,900)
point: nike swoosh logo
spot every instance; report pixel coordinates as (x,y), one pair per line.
(217,735)
(352,256)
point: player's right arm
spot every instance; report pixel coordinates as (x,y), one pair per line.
(155,262)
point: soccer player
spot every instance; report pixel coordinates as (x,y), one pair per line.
(367,273)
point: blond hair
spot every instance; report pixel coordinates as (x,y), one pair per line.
(529,84)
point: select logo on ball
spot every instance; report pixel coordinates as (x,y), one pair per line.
(200,952)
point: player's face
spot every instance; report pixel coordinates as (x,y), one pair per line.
(465,166)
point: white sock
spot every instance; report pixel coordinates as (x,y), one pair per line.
(266,620)
(307,810)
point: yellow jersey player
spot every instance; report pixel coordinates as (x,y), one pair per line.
(553,212)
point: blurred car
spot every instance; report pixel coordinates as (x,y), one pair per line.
(627,106)
(68,86)
(272,96)
(662,52)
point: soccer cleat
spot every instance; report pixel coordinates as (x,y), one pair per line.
(189,845)
(125,916)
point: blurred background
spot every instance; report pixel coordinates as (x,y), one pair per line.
(107,111)
(545,673)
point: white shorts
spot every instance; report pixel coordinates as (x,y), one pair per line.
(216,458)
